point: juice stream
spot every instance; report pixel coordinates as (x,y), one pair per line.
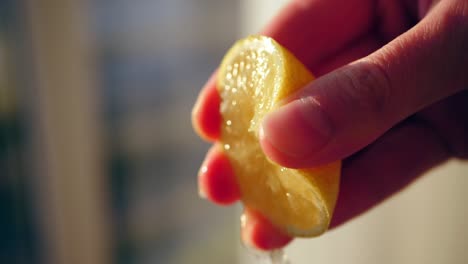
(276,256)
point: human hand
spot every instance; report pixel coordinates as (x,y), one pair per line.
(396,109)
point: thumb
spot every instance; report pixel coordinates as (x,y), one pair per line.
(347,109)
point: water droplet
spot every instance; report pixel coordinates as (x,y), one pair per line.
(229,122)
(227,146)
(229,76)
(243,220)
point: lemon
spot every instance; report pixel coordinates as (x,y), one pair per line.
(255,74)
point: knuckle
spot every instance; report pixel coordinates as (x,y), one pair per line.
(367,86)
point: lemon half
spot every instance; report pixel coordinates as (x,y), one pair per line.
(255,74)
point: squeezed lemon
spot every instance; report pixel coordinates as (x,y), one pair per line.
(254,76)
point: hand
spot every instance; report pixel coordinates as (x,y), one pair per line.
(391,101)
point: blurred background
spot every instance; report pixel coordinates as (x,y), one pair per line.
(98,160)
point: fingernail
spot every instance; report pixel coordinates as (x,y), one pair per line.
(202,194)
(298,129)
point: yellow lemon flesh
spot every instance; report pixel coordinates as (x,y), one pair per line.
(255,74)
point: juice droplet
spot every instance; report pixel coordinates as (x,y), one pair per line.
(243,220)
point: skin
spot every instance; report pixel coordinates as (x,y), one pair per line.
(391,101)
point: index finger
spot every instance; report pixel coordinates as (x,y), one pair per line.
(206,118)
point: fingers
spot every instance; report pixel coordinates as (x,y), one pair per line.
(206,118)
(259,233)
(217,183)
(386,167)
(349,108)
(216,179)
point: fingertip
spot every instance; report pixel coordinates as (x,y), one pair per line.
(272,153)
(295,133)
(206,118)
(257,232)
(216,179)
